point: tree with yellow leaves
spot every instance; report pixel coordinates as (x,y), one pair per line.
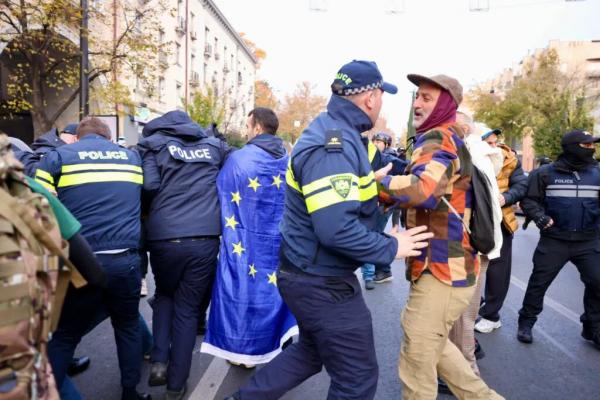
(42,54)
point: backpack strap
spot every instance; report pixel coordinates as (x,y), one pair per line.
(451,207)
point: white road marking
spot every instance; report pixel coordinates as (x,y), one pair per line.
(211,381)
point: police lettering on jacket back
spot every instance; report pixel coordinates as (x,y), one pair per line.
(100,183)
(181,164)
(198,153)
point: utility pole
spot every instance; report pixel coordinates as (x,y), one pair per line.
(84,81)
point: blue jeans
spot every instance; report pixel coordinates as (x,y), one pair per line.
(369,270)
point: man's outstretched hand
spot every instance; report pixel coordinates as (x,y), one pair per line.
(382,172)
(410,241)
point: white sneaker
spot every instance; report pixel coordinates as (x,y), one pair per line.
(486,326)
(144,290)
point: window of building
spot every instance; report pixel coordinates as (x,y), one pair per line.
(204,73)
(179,92)
(177,53)
(161,89)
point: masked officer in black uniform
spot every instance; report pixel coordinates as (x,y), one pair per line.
(181,164)
(563,199)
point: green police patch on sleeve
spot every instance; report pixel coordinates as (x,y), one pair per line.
(341,185)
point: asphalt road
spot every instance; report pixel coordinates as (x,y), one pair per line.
(558,365)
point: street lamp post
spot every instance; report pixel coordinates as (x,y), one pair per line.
(84,103)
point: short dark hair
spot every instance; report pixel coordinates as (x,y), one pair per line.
(266,118)
(91,125)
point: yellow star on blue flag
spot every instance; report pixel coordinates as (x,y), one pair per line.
(276,181)
(254,183)
(252,270)
(273,278)
(235,198)
(231,222)
(238,249)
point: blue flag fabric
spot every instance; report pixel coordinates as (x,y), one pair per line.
(248,321)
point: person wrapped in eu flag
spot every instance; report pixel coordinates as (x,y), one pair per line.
(248,321)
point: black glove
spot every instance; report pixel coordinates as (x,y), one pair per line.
(542,222)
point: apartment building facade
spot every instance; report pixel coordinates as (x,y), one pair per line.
(578,59)
(205,52)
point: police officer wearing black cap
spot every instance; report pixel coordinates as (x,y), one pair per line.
(563,199)
(327,233)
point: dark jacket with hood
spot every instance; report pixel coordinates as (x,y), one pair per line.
(48,141)
(569,196)
(180,164)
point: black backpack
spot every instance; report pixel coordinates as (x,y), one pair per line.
(482,214)
(481,226)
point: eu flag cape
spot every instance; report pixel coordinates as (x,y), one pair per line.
(248,321)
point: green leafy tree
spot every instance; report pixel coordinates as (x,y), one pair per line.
(206,108)
(544,101)
(42,54)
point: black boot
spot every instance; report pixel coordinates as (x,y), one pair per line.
(158,374)
(524,334)
(78,365)
(592,336)
(133,394)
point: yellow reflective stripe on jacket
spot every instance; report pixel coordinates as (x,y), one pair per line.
(46,185)
(96,177)
(365,181)
(372,150)
(289,177)
(40,173)
(85,167)
(368,192)
(330,197)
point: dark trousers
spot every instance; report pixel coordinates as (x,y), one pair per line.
(86,307)
(335,331)
(548,259)
(497,279)
(183,269)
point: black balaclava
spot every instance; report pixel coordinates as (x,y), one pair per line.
(578,157)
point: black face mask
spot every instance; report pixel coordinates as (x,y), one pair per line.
(577,156)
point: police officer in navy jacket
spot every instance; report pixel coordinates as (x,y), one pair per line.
(181,163)
(101,184)
(563,199)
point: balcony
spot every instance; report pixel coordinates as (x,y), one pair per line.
(193,35)
(207,50)
(163,59)
(194,79)
(180,27)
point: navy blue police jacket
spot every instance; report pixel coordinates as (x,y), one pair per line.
(331,197)
(181,163)
(571,198)
(101,184)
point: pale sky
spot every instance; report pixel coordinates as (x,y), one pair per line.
(429,37)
